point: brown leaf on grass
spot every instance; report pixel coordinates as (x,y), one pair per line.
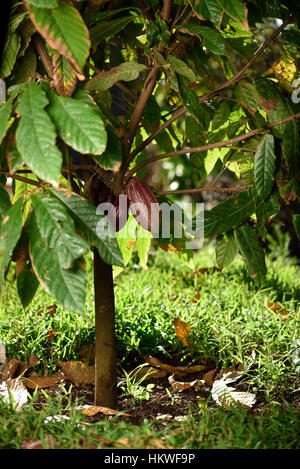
(277,308)
(40,382)
(95,409)
(49,310)
(78,372)
(196,297)
(179,386)
(176,370)
(8,370)
(182,330)
(38,444)
(32,361)
(14,391)
(51,334)
(209,377)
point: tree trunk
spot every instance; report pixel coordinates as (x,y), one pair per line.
(105,350)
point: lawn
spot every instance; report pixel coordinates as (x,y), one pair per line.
(230,325)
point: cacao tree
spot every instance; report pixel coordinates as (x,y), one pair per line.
(88,86)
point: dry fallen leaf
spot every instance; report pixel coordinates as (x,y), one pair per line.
(182,330)
(50,310)
(2,353)
(78,373)
(9,369)
(225,396)
(277,308)
(176,370)
(13,391)
(164,417)
(93,410)
(51,334)
(209,377)
(179,386)
(40,382)
(38,444)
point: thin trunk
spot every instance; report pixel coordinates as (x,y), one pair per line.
(105,353)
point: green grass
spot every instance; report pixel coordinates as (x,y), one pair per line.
(231,324)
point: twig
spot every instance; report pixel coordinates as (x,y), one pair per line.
(210,146)
(147,89)
(22,179)
(205,189)
(212,93)
(44,57)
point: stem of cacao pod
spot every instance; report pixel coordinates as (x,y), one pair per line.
(105,350)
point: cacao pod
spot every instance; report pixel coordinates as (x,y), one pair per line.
(143,204)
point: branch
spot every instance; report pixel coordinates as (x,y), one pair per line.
(210,146)
(22,179)
(205,189)
(44,57)
(148,87)
(210,94)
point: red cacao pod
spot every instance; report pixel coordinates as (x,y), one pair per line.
(143,204)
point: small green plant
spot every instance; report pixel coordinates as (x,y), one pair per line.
(132,385)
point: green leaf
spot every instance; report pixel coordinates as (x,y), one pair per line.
(252,252)
(245,92)
(26,67)
(66,285)
(221,115)
(77,124)
(143,244)
(264,166)
(211,38)
(106,29)
(57,230)
(27,285)
(228,214)
(126,238)
(64,30)
(235,9)
(113,152)
(35,135)
(191,102)
(4,202)
(208,9)
(43,3)
(10,232)
(181,67)
(126,71)
(5,110)
(11,48)
(86,218)
(226,250)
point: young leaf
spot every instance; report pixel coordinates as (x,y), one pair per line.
(264,166)
(86,218)
(126,71)
(221,115)
(64,30)
(10,52)
(57,230)
(106,29)
(210,37)
(228,214)
(252,252)
(4,202)
(66,285)
(5,110)
(27,285)
(226,250)
(181,68)
(190,100)
(77,124)
(43,3)
(10,232)
(35,135)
